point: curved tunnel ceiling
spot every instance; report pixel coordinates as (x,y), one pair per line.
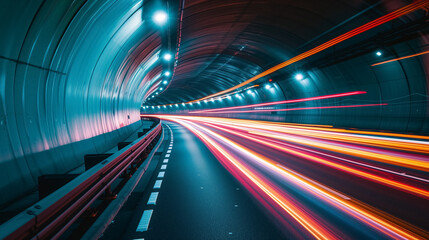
(224,43)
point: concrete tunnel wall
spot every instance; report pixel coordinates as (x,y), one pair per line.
(66,84)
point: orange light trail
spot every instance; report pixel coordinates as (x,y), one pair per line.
(397,59)
(243,164)
(323,161)
(392,159)
(375,23)
(393,141)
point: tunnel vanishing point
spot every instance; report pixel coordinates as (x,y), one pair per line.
(214,119)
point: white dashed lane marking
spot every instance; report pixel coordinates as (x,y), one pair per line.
(152,199)
(157,184)
(144,221)
(147,214)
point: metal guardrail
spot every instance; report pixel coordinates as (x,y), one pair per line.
(50,217)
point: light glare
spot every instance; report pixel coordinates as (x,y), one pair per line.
(160,17)
(299,76)
(167,57)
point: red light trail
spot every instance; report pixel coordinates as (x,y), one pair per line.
(294,109)
(283,166)
(285,102)
(370,25)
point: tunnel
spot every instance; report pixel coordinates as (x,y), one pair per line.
(271,119)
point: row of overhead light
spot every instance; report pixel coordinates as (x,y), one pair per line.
(160,18)
(164,83)
(268,86)
(236,94)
